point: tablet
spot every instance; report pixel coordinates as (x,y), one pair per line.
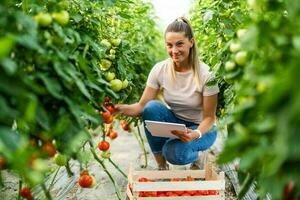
(163,129)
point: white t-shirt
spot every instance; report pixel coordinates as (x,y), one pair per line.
(183,96)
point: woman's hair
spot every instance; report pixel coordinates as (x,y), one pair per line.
(182,25)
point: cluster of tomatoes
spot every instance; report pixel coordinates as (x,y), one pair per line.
(173,193)
(86,180)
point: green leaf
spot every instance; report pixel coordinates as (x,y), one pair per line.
(52,85)
(82,88)
(9,138)
(9,66)
(42,118)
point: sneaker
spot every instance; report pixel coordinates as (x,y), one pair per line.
(199,164)
(163,167)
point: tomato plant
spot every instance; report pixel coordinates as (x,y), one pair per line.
(259,93)
(54,61)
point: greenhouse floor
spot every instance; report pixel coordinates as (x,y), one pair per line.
(125,151)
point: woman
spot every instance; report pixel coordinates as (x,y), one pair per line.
(191,102)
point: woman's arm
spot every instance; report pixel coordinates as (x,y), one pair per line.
(136,109)
(209,117)
(209,113)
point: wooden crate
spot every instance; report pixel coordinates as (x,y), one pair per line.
(206,179)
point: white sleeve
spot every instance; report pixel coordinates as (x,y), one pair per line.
(208,90)
(152,80)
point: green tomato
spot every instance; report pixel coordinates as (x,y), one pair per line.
(234,47)
(229,65)
(105,64)
(105,154)
(43,19)
(261,87)
(109,76)
(116,42)
(241,33)
(124,84)
(60,160)
(116,85)
(112,56)
(112,51)
(64,4)
(61,17)
(106,43)
(252,4)
(241,57)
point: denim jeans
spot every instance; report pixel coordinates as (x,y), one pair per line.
(174,150)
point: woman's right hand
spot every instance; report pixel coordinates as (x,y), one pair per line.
(132,110)
(119,108)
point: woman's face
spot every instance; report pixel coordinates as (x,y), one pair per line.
(178,47)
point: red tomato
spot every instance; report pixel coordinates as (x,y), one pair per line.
(186,194)
(189,178)
(25,192)
(113,135)
(142,194)
(109,120)
(124,125)
(49,149)
(179,192)
(171,194)
(103,145)
(105,115)
(143,179)
(85,181)
(161,194)
(110,108)
(191,192)
(212,192)
(107,99)
(2,162)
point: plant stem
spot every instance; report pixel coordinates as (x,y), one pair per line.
(107,172)
(20,187)
(246,185)
(143,147)
(47,193)
(1,180)
(69,171)
(25,6)
(53,178)
(117,167)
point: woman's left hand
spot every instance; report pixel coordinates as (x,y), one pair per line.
(186,136)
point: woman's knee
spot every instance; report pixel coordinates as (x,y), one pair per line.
(178,153)
(151,109)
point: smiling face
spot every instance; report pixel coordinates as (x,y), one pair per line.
(178,47)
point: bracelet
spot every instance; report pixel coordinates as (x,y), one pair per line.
(200,133)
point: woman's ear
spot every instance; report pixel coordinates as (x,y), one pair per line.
(192,42)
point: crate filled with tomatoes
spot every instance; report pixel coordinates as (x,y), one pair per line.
(176,184)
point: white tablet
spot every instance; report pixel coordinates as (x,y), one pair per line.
(163,129)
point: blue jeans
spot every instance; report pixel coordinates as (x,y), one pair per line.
(174,150)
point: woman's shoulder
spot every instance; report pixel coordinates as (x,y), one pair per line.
(161,65)
(204,68)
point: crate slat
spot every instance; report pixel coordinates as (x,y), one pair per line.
(180,185)
(169,174)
